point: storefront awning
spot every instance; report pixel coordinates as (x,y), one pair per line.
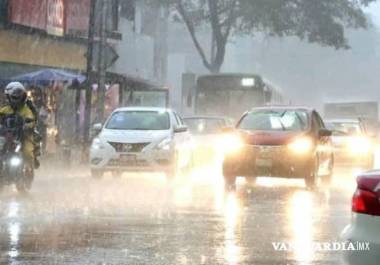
(47,76)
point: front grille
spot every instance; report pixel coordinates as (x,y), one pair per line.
(128,147)
(119,163)
(269,151)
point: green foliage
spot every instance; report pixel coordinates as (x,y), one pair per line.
(317,21)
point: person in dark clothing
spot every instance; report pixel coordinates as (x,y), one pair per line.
(36,135)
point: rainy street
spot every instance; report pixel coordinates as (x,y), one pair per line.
(144,132)
(69,218)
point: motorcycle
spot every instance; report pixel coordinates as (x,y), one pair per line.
(14,169)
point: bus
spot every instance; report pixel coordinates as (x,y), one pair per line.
(231,95)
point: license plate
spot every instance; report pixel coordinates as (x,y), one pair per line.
(128,158)
(267,163)
(265,152)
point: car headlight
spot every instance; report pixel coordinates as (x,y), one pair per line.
(97,144)
(15,161)
(165,144)
(230,144)
(359,145)
(301,146)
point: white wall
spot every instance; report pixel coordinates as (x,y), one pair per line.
(176,67)
(135,53)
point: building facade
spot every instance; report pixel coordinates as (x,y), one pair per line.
(37,34)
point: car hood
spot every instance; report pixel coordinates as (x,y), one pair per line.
(270,137)
(206,139)
(133,136)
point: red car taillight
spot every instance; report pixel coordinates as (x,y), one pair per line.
(366,202)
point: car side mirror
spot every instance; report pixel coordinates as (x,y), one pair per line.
(97,127)
(180,129)
(324,133)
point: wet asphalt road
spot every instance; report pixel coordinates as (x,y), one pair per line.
(69,218)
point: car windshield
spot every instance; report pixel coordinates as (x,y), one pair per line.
(139,120)
(344,128)
(204,125)
(273,120)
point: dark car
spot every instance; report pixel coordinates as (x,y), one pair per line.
(207,132)
(284,142)
(352,142)
(206,125)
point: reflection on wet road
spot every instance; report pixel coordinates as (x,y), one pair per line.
(141,219)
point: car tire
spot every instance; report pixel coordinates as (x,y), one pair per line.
(312,179)
(97,173)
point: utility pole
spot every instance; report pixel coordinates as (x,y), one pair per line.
(90,79)
(160,13)
(102,68)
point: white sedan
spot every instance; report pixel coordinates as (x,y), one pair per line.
(364,231)
(141,139)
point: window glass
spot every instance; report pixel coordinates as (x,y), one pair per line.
(275,120)
(139,120)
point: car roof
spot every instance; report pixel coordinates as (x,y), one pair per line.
(307,109)
(206,117)
(158,109)
(342,120)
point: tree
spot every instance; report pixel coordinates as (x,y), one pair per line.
(317,21)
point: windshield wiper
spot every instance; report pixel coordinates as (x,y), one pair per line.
(281,116)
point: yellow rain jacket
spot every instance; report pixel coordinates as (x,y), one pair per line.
(26,113)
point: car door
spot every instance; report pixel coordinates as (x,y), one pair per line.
(182,142)
(324,144)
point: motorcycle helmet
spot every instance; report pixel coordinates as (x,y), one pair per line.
(16,95)
(12,85)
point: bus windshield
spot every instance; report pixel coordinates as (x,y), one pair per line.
(232,94)
(231,102)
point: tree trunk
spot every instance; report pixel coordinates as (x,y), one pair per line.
(214,68)
(218,59)
(219,39)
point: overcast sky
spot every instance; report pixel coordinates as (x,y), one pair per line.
(374,10)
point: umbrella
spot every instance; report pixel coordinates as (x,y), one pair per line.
(46,76)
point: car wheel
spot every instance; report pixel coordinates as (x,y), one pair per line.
(312,179)
(97,173)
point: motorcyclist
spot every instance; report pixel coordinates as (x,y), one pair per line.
(17,98)
(37,139)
